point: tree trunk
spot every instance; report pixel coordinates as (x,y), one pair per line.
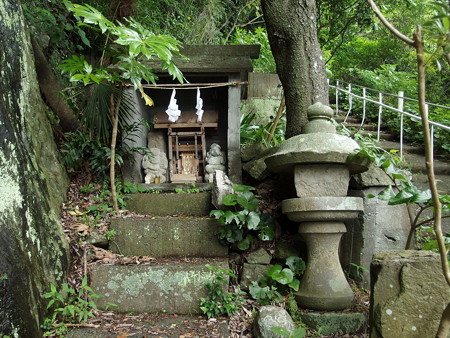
(291,26)
(49,88)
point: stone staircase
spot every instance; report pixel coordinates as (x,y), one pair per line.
(175,230)
(413,155)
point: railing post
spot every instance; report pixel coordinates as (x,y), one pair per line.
(400,108)
(431,134)
(364,107)
(380,112)
(337,97)
(350,101)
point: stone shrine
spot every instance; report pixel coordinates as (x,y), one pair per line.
(186,120)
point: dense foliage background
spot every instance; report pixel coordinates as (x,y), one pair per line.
(357,48)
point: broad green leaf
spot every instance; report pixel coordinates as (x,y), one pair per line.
(282,331)
(252,220)
(229,216)
(282,276)
(296,264)
(386,194)
(230,200)
(245,243)
(295,284)
(242,188)
(402,197)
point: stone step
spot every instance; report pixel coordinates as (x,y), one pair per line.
(416,164)
(407,148)
(350,119)
(167,236)
(383,136)
(110,324)
(169,204)
(170,287)
(356,126)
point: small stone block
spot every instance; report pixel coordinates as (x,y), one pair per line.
(332,323)
(259,256)
(283,250)
(252,273)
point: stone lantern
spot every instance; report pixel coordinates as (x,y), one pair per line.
(318,159)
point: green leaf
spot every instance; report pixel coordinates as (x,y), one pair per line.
(245,243)
(295,284)
(282,276)
(280,330)
(296,264)
(252,220)
(230,200)
(229,216)
(242,188)
(83,37)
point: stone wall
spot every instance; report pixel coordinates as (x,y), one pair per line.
(33,184)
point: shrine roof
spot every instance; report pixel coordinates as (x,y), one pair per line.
(215,59)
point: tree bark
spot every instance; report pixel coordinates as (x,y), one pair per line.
(291,26)
(49,87)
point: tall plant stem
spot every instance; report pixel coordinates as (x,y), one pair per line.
(114,112)
(437,212)
(277,118)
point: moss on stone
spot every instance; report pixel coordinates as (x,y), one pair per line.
(334,322)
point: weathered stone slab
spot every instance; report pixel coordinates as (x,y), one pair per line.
(172,287)
(373,177)
(312,180)
(331,323)
(252,273)
(252,151)
(381,228)
(163,237)
(189,204)
(408,294)
(257,167)
(259,256)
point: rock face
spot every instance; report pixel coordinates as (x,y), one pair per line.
(269,317)
(408,294)
(33,184)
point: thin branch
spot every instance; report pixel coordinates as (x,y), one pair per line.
(388,25)
(437,213)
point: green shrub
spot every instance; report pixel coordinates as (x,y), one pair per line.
(243,222)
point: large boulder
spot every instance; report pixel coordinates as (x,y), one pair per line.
(269,317)
(33,184)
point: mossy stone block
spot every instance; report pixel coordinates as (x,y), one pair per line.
(189,204)
(334,322)
(167,236)
(173,287)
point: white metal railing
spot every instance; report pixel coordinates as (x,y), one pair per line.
(399,109)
